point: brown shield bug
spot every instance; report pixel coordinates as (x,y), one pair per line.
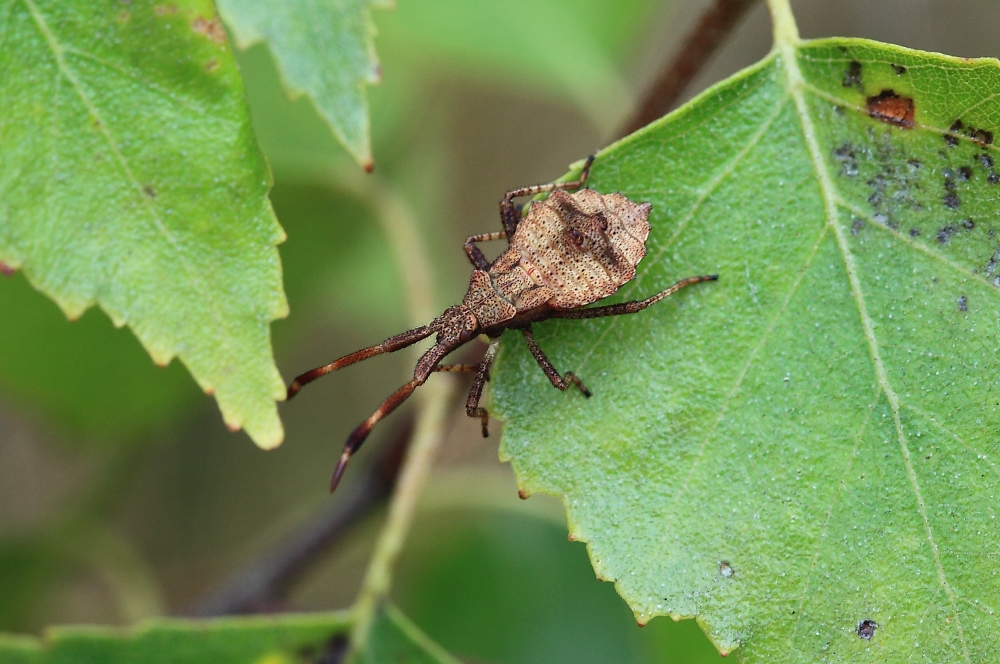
(568,251)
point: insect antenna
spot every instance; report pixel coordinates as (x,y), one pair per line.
(390,345)
(425,366)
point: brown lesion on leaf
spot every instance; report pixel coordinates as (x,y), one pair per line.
(124,16)
(211,65)
(149,191)
(169,9)
(7,270)
(887,106)
(211,28)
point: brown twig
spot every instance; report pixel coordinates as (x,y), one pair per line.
(262,585)
(712,29)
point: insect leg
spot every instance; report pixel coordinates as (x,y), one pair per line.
(562,382)
(509,213)
(390,345)
(633,306)
(472,408)
(456,367)
(473,252)
(425,365)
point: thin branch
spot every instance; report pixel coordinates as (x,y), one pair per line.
(262,585)
(712,29)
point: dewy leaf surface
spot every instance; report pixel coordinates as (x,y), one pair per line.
(323,49)
(130,178)
(809,443)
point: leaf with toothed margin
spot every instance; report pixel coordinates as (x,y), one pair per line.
(284,639)
(130,179)
(324,50)
(803,455)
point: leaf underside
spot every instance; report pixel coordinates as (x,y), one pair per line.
(286,639)
(802,455)
(324,50)
(130,179)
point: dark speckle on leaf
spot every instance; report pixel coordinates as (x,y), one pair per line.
(956,126)
(951,200)
(866,629)
(986,160)
(149,191)
(852,77)
(964,173)
(856,226)
(914,232)
(944,235)
(899,69)
(951,140)
(982,136)
(968,224)
(963,303)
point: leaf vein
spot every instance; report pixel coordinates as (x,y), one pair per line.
(796,85)
(57,51)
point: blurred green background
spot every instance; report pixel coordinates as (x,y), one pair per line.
(123,496)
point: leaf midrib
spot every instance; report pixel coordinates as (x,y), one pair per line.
(57,52)
(795,83)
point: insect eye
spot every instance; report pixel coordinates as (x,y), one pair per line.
(602,221)
(465,335)
(576,237)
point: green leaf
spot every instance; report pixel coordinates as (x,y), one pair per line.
(283,639)
(323,49)
(810,442)
(129,178)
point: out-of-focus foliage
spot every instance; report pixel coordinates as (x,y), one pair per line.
(284,639)
(323,50)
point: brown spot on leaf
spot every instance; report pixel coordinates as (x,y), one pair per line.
(124,16)
(7,270)
(852,76)
(982,136)
(522,494)
(211,28)
(866,629)
(211,65)
(149,191)
(165,10)
(890,107)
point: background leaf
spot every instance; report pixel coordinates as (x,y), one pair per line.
(287,639)
(130,178)
(806,444)
(323,49)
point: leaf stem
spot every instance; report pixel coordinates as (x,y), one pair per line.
(432,406)
(786,32)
